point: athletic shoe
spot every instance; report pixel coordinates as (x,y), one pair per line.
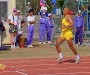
(49,42)
(40,43)
(30,46)
(81,45)
(77,44)
(77,59)
(60,60)
(44,42)
(12,46)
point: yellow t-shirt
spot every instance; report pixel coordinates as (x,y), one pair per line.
(66,32)
(65,22)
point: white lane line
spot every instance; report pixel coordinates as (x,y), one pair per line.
(21,73)
(18,71)
(39,65)
(74,73)
(63,68)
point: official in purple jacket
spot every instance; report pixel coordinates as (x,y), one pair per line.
(50,27)
(42,28)
(79,27)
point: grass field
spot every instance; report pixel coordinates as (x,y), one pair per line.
(40,51)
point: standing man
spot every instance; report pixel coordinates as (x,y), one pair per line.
(50,27)
(19,27)
(28,6)
(79,27)
(13,21)
(31,21)
(42,28)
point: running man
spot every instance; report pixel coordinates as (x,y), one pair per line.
(66,34)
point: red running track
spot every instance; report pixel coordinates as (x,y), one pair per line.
(45,66)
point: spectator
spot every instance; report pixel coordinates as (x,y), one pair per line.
(42,28)
(50,27)
(31,22)
(79,27)
(13,22)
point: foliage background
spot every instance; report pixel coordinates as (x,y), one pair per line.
(21,4)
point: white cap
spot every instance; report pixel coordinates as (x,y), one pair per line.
(28,3)
(49,14)
(18,10)
(79,11)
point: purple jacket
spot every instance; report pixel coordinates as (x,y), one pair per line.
(43,21)
(78,21)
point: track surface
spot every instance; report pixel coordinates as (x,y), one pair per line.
(46,66)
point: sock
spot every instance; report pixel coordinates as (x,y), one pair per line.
(14,39)
(60,55)
(77,56)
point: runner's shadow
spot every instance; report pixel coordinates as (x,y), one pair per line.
(70,60)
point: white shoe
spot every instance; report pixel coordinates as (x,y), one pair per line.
(30,46)
(77,44)
(44,42)
(60,60)
(12,46)
(81,45)
(40,43)
(49,42)
(77,59)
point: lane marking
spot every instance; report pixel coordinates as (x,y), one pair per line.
(67,73)
(21,73)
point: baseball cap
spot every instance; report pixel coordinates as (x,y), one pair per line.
(28,3)
(14,10)
(18,10)
(79,11)
(49,14)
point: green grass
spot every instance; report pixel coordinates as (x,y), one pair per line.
(43,51)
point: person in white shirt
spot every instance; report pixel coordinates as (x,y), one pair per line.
(44,10)
(13,21)
(31,22)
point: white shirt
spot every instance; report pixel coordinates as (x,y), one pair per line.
(13,18)
(30,19)
(43,8)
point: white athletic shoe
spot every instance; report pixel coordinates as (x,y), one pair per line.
(12,46)
(77,59)
(77,44)
(81,45)
(60,60)
(49,42)
(30,46)
(44,42)
(40,43)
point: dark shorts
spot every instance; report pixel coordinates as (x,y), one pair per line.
(13,29)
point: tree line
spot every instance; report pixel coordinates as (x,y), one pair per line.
(21,4)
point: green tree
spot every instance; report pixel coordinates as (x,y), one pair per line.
(60,3)
(35,5)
